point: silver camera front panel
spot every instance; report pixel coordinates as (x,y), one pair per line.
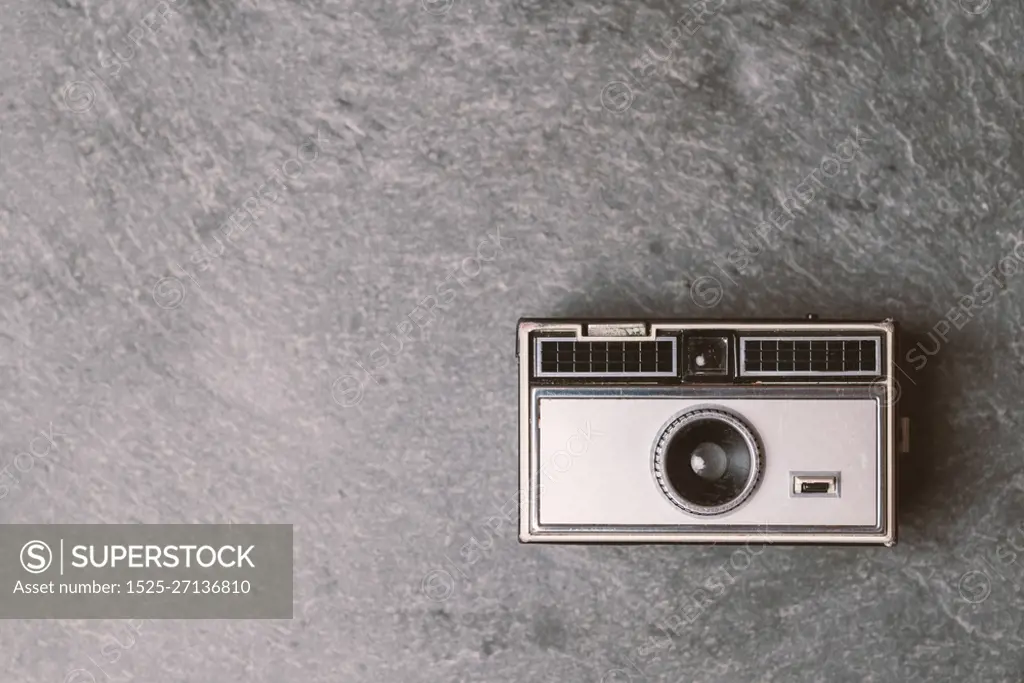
(594,457)
(586,456)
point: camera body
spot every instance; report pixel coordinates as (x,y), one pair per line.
(681,431)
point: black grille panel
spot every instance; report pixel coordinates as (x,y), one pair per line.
(559,357)
(810,356)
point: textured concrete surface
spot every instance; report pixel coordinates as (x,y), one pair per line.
(504,158)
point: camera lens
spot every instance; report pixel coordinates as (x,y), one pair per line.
(707,461)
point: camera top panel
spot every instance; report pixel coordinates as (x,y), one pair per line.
(704,352)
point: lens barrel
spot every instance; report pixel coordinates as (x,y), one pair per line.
(707,461)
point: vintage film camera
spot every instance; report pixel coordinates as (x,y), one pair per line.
(682,431)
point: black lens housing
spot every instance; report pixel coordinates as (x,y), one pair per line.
(721,485)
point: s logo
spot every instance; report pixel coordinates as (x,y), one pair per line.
(36,557)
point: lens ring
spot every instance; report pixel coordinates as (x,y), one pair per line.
(726,423)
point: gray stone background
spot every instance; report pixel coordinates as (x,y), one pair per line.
(199,370)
